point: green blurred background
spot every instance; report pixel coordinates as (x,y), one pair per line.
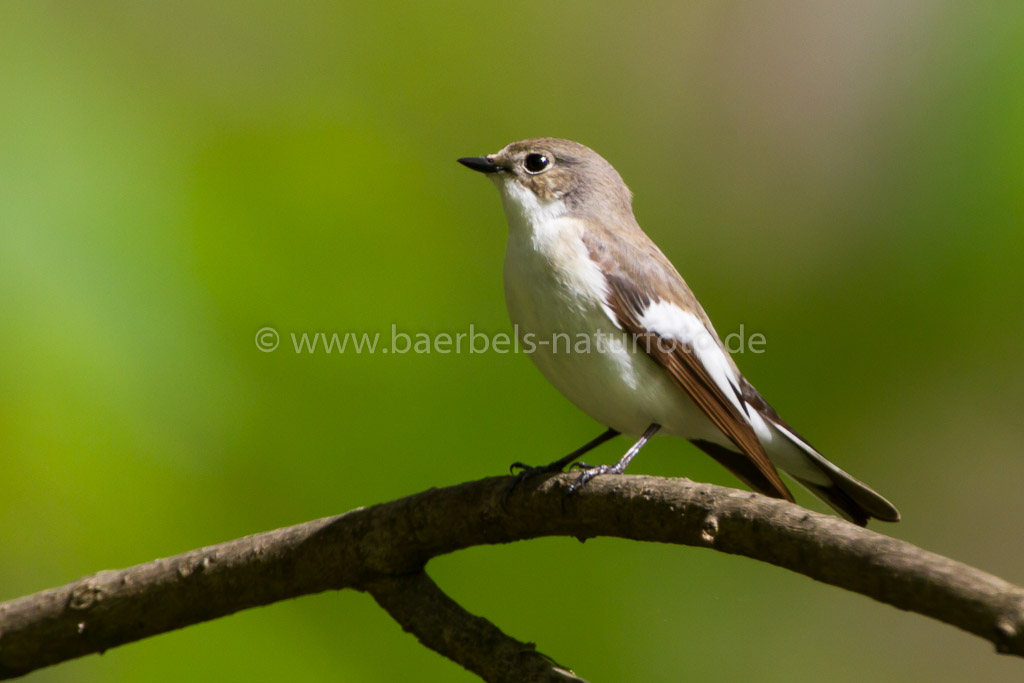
(845,179)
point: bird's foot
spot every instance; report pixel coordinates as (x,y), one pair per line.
(526,472)
(589,472)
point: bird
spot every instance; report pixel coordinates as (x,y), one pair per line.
(578,266)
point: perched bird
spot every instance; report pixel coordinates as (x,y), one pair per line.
(577,265)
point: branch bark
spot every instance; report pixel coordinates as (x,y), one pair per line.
(383,549)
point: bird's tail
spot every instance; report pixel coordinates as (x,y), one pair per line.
(848,496)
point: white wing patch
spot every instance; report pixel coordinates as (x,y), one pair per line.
(764,433)
(671,322)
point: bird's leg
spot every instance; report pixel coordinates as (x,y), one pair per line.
(559,465)
(527,471)
(591,471)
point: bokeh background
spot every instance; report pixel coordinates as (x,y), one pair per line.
(845,178)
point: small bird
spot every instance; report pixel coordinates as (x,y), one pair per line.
(577,264)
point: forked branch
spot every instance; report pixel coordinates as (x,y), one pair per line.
(383,549)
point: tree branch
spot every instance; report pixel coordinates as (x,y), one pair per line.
(383,549)
(439,622)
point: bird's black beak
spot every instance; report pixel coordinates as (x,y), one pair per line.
(482,164)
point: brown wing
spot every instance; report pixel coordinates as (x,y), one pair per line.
(628,298)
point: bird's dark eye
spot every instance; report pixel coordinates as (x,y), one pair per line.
(535,163)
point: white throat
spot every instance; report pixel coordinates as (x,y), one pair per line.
(525,210)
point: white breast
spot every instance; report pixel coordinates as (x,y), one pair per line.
(555,296)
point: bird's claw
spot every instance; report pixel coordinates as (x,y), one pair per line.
(525,472)
(589,472)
